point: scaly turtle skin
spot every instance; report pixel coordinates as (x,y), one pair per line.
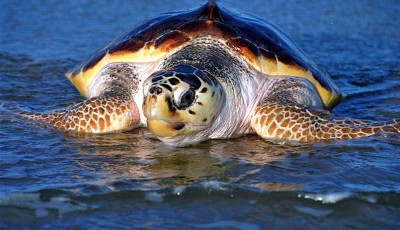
(207,73)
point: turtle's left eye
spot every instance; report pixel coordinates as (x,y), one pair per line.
(187,99)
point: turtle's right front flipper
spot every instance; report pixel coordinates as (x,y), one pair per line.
(111,106)
(95,115)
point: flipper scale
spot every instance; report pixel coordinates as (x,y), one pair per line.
(95,115)
(282,122)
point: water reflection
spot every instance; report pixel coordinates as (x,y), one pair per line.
(138,155)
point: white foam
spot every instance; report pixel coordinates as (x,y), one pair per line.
(327,198)
(154,197)
(63,205)
(331,198)
(179,190)
(213,185)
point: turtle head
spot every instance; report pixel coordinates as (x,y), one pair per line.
(180,103)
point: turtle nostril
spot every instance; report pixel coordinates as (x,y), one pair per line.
(156,90)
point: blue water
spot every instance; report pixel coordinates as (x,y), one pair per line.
(50,180)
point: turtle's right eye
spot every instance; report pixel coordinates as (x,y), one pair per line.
(187,99)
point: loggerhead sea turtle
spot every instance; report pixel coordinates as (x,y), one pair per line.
(203,74)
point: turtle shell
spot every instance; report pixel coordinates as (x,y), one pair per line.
(260,43)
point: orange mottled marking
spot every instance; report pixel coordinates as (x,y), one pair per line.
(286,135)
(303,139)
(279,132)
(366,130)
(270,118)
(80,118)
(93,124)
(327,135)
(296,128)
(302,125)
(262,120)
(272,127)
(345,136)
(285,123)
(109,109)
(279,117)
(305,132)
(107,118)
(353,135)
(101,124)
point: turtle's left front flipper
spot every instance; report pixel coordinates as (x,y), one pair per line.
(285,122)
(95,115)
(294,111)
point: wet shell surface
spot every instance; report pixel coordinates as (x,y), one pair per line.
(261,44)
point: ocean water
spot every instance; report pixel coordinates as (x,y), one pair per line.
(50,180)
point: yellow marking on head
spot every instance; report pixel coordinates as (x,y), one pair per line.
(161,128)
(156,106)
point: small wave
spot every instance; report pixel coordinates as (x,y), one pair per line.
(213,185)
(229,224)
(41,207)
(331,198)
(313,211)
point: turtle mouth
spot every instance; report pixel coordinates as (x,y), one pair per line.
(166,128)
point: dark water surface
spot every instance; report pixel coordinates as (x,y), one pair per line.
(131,180)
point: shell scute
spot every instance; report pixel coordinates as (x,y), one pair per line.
(131,44)
(93,60)
(171,40)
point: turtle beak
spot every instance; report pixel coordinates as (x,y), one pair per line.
(160,112)
(156,103)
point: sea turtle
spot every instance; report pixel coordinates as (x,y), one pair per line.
(207,73)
